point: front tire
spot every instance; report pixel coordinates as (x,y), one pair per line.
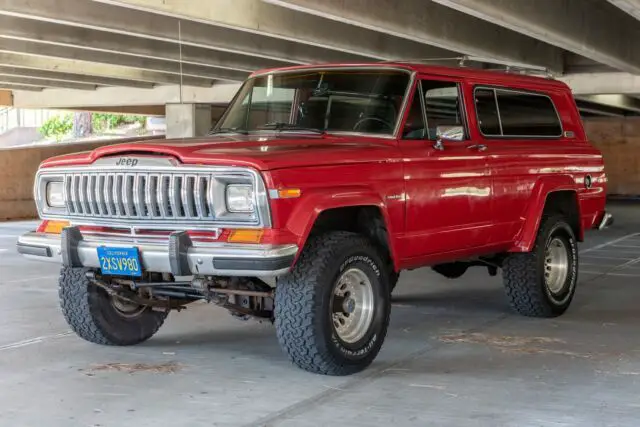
(97,317)
(542,283)
(332,311)
(394,277)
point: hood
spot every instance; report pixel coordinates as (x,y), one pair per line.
(262,152)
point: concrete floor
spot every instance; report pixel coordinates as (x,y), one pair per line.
(455,356)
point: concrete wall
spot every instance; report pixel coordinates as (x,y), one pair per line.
(17,170)
(19,136)
(18,167)
(619,141)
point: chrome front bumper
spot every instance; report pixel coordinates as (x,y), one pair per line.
(179,257)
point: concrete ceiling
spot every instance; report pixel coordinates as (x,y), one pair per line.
(632,7)
(61,53)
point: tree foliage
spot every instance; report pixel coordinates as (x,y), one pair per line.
(57,127)
(106,121)
(60,126)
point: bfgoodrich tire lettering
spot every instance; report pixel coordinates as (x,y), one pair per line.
(90,313)
(303,305)
(524,273)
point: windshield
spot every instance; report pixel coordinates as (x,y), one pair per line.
(334,100)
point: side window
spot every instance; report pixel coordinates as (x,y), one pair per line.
(524,114)
(506,113)
(443,106)
(487,111)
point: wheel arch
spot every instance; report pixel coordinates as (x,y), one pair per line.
(550,196)
(358,211)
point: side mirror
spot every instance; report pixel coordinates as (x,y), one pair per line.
(448,133)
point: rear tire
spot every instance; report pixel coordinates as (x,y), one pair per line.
(542,283)
(97,317)
(338,275)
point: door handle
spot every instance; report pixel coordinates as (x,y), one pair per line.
(479,147)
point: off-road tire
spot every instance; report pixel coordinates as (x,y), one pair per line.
(302,305)
(89,312)
(394,276)
(523,273)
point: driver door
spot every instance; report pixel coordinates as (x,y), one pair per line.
(448,186)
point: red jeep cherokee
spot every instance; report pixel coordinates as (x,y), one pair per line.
(317,187)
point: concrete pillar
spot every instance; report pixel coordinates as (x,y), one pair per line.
(187,120)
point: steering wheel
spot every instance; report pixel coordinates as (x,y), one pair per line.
(375,119)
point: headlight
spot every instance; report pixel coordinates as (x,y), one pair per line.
(55,194)
(240,198)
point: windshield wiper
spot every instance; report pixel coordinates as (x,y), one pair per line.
(229,130)
(280,126)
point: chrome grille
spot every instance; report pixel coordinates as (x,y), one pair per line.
(155,197)
(140,195)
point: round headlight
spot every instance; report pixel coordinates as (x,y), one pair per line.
(240,198)
(55,194)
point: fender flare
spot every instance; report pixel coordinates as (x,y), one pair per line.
(543,187)
(314,202)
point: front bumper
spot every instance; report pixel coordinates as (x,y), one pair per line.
(179,256)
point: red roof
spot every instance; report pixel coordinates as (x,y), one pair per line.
(462,72)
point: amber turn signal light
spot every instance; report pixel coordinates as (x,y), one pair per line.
(52,227)
(245,236)
(289,193)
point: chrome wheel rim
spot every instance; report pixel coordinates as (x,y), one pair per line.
(352,305)
(556,266)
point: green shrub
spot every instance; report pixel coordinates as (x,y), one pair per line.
(106,121)
(57,127)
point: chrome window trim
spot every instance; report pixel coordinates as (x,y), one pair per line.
(303,69)
(423,106)
(495,98)
(262,217)
(495,90)
(397,132)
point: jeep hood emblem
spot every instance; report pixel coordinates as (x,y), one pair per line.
(127,161)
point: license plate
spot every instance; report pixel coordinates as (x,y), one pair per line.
(119,261)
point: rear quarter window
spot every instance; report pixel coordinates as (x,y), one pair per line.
(513,114)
